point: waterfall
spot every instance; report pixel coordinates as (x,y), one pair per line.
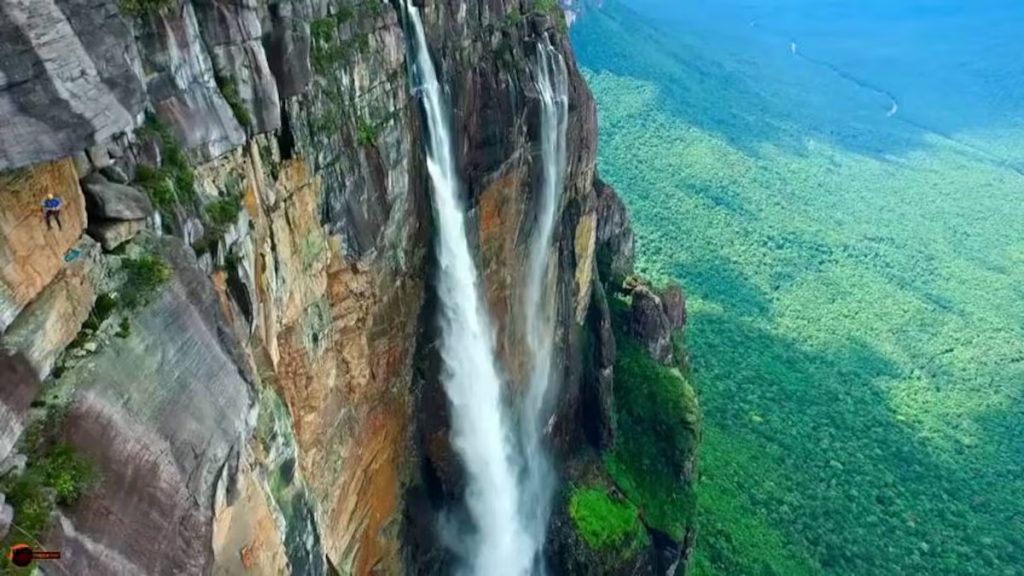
(539,478)
(479,424)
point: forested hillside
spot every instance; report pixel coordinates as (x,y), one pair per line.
(850,235)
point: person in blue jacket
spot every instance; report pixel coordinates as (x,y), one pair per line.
(51,209)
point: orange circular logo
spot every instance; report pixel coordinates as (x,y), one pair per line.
(20,555)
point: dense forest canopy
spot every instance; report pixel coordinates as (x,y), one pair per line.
(838,184)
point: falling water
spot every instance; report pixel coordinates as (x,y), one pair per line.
(470,377)
(539,479)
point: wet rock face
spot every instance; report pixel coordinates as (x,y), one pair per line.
(108,200)
(598,387)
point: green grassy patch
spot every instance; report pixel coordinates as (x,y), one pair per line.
(229,90)
(606,523)
(658,430)
(173,183)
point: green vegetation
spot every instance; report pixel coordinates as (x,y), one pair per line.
(217,217)
(229,90)
(143,277)
(547,6)
(366,133)
(854,306)
(144,7)
(174,182)
(658,428)
(606,523)
(223,212)
(54,475)
(326,50)
(514,17)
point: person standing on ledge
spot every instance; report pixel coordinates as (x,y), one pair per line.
(51,209)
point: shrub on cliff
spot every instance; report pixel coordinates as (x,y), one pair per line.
(54,474)
(139,8)
(143,276)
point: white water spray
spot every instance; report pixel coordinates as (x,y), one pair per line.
(479,432)
(539,478)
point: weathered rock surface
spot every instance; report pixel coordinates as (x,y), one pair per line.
(20,386)
(649,325)
(614,234)
(182,87)
(30,254)
(6,516)
(673,302)
(67,78)
(165,415)
(599,377)
(112,201)
(53,319)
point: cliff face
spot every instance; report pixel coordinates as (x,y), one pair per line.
(234,321)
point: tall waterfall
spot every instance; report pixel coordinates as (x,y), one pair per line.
(539,478)
(479,424)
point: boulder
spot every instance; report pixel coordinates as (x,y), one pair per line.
(112,201)
(112,233)
(115,173)
(649,325)
(673,302)
(99,157)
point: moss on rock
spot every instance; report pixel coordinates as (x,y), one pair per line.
(606,523)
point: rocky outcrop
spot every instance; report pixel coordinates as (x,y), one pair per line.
(673,303)
(614,235)
(108,200)
(649,325)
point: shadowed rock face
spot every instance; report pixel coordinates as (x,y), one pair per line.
(20,386)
